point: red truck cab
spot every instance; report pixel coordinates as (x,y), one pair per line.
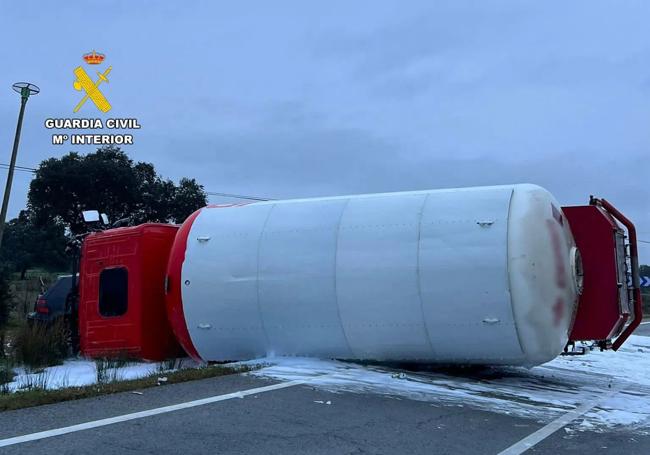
(122,293)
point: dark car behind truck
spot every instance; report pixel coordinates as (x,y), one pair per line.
(51,305)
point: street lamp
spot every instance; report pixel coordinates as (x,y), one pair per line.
(25,89)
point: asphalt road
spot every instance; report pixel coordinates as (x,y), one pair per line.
(289,420)
(643,329)
(294,419)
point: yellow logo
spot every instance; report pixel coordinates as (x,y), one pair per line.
(83,82)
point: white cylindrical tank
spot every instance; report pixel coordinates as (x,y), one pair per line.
(476,275)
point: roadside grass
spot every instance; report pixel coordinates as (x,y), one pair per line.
(171,364)
(7,374)
(37,395)
(109,368)
(24,292)
(38,346)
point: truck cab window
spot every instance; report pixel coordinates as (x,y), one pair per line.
(113,292)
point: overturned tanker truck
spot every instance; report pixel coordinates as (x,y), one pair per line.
(499,275)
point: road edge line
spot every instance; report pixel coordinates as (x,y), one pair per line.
(141,414)
(535,438)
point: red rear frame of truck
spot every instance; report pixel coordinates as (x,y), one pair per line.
(610,306)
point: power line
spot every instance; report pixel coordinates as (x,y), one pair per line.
(209,193)
(238,196)
(18,168)
(17,165)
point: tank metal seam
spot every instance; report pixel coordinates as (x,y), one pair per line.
(508,274)
(257,280)
(336,289)
(419,277)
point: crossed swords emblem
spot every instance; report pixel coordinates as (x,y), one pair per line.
(85,83)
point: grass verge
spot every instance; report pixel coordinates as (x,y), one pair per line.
(39,346)
(37,397)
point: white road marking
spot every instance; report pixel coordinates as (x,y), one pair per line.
(544,432)
(142,414)
(645,322)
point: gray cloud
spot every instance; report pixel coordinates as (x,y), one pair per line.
(291,99)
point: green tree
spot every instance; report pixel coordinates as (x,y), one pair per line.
(108,181)
(5,297)
(27,245)
(188,197)
(5,308)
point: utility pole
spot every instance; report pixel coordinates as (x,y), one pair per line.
(25,89)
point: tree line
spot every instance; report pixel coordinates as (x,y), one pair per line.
(106,180)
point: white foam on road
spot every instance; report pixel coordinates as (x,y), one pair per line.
(77,373)
(544,392)
(547,430)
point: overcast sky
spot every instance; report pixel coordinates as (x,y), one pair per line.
(288,99)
